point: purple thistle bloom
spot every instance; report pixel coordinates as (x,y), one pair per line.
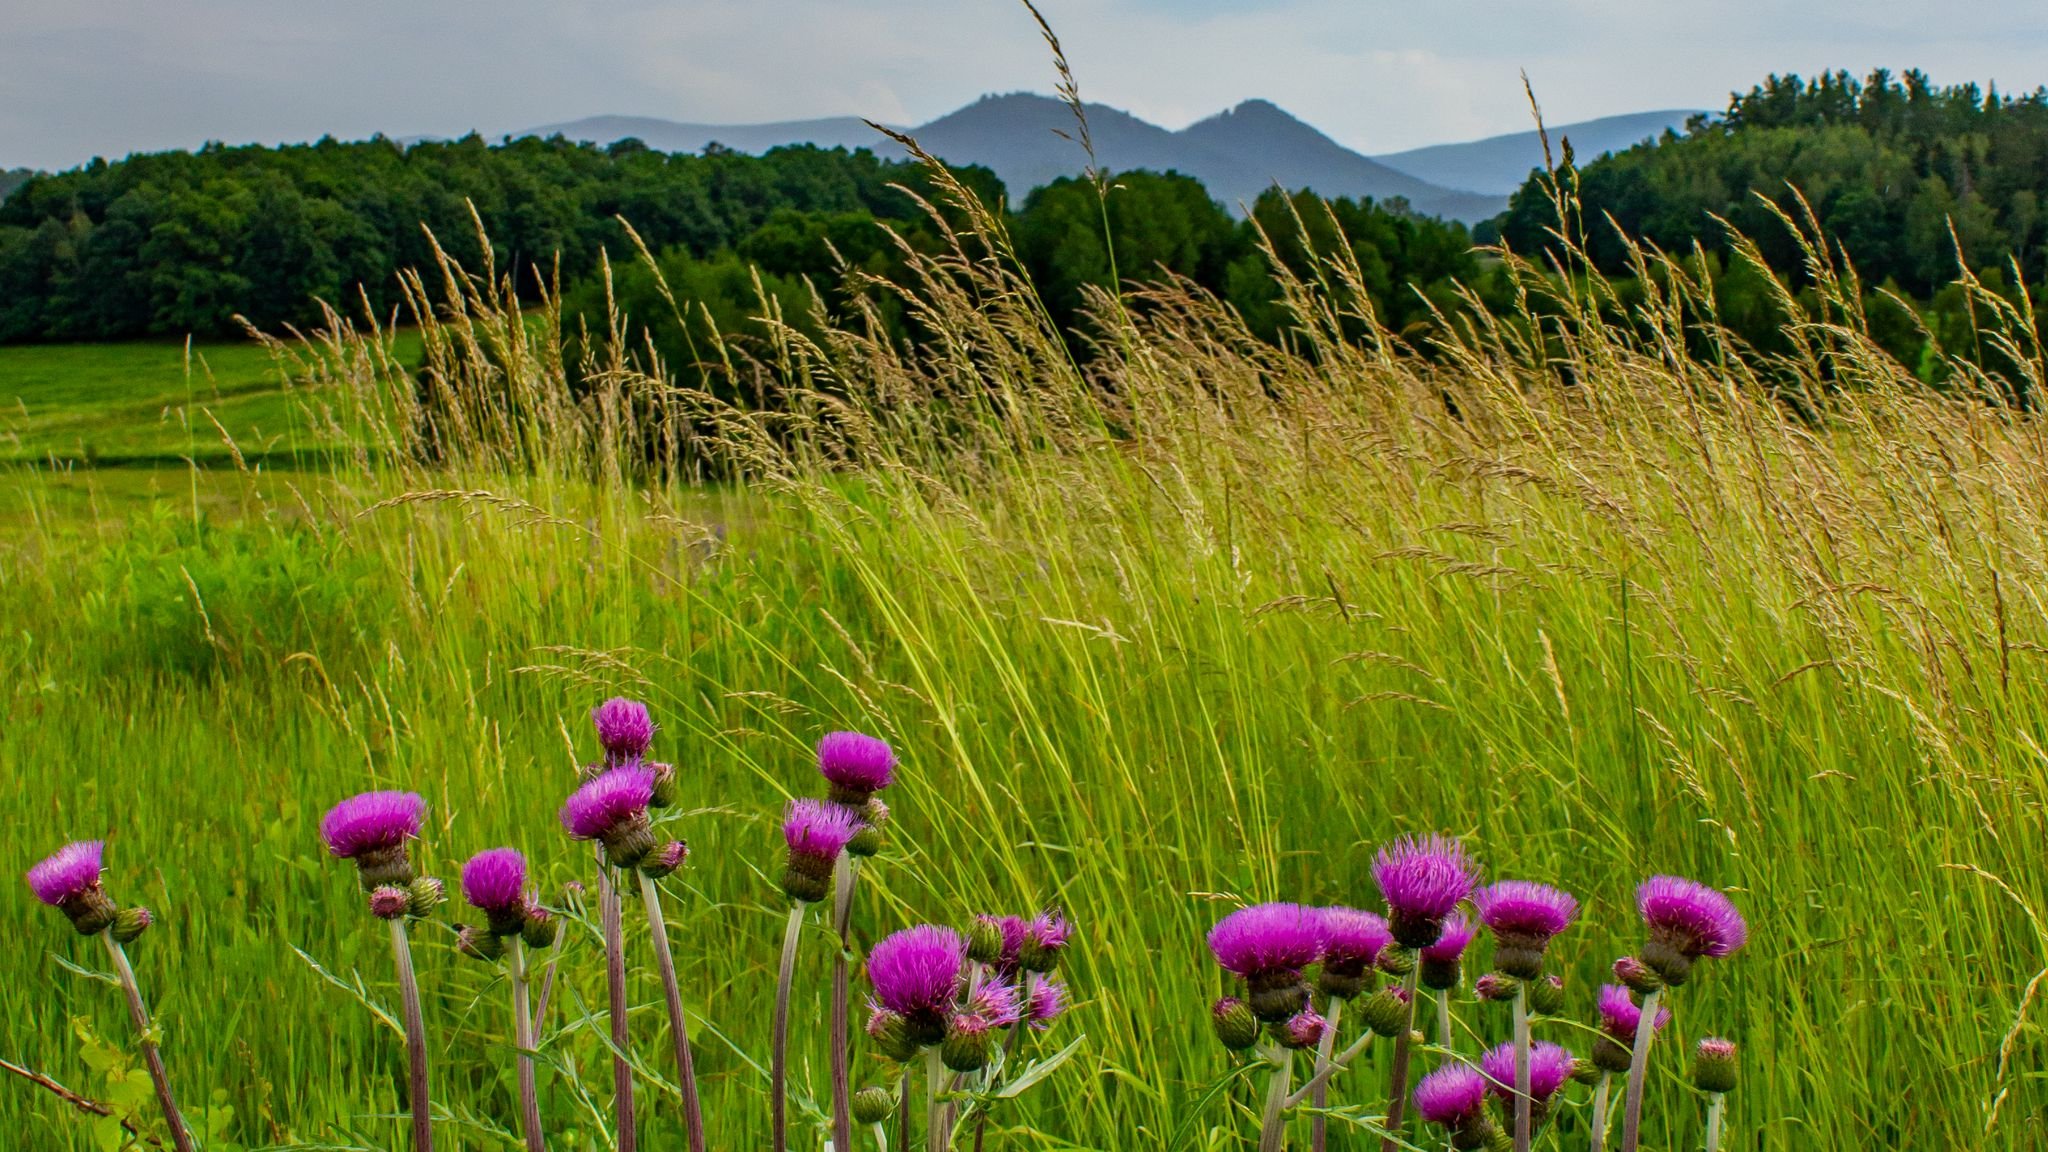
(495,880)
(1620,1015)
(1268,938)
(611,798)
(1523,916)
(371,823)
(998,1002)
(857,765)
(1012,929)
(1687,920)
(1304,1029)
(67,873)
(818,829)
(1045,937)
(1352,939)
(1453,1096)
(623,727)
(1550,1065)
(916,973)
(1045,1000)
(1423,879)
(1450,945)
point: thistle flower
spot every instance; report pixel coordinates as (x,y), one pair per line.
(494,882)
(1619,1017)
(995,941)
(1268,945)
(1714,1066)
(967,1043)
(1495,986)
(1686,921)
(1546,994)
(874,816)
(1304,1029)
(1352,943)
(873,1104)
(624,728)
(1523,916)
(891,1035)
(1454,1098)
(389,903)
(856,765)
(663,861)
(1235,1025)
(372,829)
(541,927)
(916,974)
(1423,879)
(1550,1065)
(69,880)
(1045,937)
(612,808)
(1045,999)
(817,832)
(998,1002)
(1443,961)
(1386,1012)
(1637,976)
(131,923)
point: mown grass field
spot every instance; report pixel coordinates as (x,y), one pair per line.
(1205,636)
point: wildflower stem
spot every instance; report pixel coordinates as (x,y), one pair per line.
(1329,1071)
(845,874)
(1397,1089)
(415,1039)
(1715,1107)
(1522,1100)
(903,1110)
(1443,1019)
(679,1025)
(1599,1125)
(936,1138)
(611,911)
(522,1038)
(1273,1125)
(138,1012)
(1320,1095)
(778,1051)
(1638,1072)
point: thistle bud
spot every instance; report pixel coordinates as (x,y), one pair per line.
(868,840)
(424,895)
(131,923)
(873,1105)
(663,861)
(1044,939)
(967,1043)
(1585,1072)
(541,927)
(389,903)
(1386,1012)
(1495,986)
(891,1035)
(1304,1030)
(478,943)
(1396,961)
(985,939)
(817,832)
(1637,975)
(1235,1025)
(1610,1056)
(664,794)
(1714,1067)
(1546,995)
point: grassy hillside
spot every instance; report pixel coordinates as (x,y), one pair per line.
(1202,628)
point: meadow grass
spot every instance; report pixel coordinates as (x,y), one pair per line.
(1199,623)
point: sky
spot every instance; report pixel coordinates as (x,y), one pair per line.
(84,78)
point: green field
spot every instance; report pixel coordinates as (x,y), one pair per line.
(1205,636)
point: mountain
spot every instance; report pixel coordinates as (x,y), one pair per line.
(1499,164)
(1236,154)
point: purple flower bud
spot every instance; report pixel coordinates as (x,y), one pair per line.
(967,1043)
(1045,999)
(663,861)
(388,902)
(1423,879)
(131,923)
(1637,976)
(857,766)
(1442,962)
(1620,1014)
(68,872)
(1454,1097)
(1045,937)
(1268,945)
(1523,916)
(916,974)
(372,829)
(1714,1066)
(1235,1025)
(1686,921)
(817,831)
(612,807)
(997,1002)
(494,881)
(1304,1029)
(1494,986)
(1549,1067)
(1352,943)
(624,728)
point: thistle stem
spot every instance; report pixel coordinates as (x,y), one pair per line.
(1638,1072)
(1320,1096)
(611,911)
(686,1071)
(1273,1124)
(903,1110)
(778,1052)
(522,1038)
(936,1138)
(138,1013)
(1523,1104)
(845,874)
(1715,1107)
(415,1040)
(1600,1095)
(1443,1020)
(1329,1071)
(1397,1088)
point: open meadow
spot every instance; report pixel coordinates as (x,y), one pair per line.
(1196,622)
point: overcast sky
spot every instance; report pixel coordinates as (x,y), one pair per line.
(80,78)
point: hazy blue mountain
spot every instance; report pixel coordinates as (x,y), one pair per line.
(669,136)
(1499,164)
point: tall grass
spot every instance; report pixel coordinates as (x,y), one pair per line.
(1188,621)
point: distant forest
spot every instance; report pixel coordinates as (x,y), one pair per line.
(173,243)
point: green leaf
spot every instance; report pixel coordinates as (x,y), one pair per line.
(1039,1070)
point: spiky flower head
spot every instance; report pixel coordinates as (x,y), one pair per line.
(817,831)
(1637,975)
(873,1104)
(874,816)
(478,943)
(131,923)
(1388,1012)
(624,727)
(1454,1098)
(968,1042)
(1352,943)
(372,829)
(494,882)
(69,880)
(541,927)
(1235,1025)
(986,938)
(998,1002)
(1045,999)
(1686,921)
(1714,1066)
(891,1034)
(611,807)
(389,902)
(1496,986)
(1422,878)
(423,895)
(916,974)
(1546,994)
(1268,945)
(856,765)
(1443,961)
(1045,937)
(1620,1015)
(1550,1065)
(1523,916)
(1304,1029)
